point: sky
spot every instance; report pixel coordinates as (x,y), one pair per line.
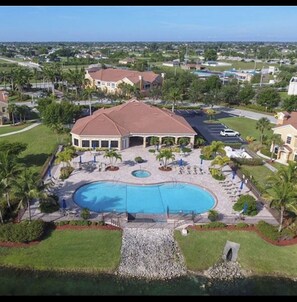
(148,23)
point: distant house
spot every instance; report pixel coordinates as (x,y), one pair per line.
(293,86)
(4,114)
(132,123)
(127,61)
(109,79)
(287,128)
(191,66)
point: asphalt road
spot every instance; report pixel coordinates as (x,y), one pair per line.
(211,132)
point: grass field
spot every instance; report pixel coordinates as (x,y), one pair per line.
(259,173)
(41,141)
(85,251)
(238,65)
(244,126)
(8,129)
(203,249)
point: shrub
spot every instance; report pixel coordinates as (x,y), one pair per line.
(286,234)
(186,150)
(214,224)
(248,161)
(217,174)
(139,159)
(250,139)
(251,203)
(152,150)
(242,225)
(85,214)
(80,222)
(268,230)
(65,172)
(213,215)
(25,231)
(49,205)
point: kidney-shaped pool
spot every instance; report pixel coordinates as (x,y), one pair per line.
(156,198)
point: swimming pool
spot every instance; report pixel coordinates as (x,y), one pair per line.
(109,196)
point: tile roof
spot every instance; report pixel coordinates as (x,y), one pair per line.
(291,119)
(132,117)
(115,75)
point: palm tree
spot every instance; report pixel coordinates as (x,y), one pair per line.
(262,125)
(200,141)
(65,156)
(9,171)
(88,93)
(27,187)
(165,156)
(211,113)
(274,140)
(175,95)
(168,141)
(183,141)
(154,141)
(1,194)
(12,109)
(113,157)
(220,161)
(217,147)
(282,196)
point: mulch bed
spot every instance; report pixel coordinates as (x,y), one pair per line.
(165,169)
(248,229)
(109,168)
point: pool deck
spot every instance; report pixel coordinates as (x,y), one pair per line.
(89,172)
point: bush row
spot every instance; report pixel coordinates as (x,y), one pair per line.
(80,223)
(25,231)
(248,161)
(271,232)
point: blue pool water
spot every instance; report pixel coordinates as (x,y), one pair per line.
(141,173)
(157,198)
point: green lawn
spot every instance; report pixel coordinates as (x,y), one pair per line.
(237,65)
(259,173)
(41,141)
(86,250)
(244,126)
(203,249)
(8,129)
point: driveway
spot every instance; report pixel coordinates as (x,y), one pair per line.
(211,132)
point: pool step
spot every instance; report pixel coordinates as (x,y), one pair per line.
(149,218)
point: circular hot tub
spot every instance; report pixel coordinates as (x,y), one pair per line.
(141,173)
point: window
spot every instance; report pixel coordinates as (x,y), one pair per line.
(75,141)
(104,144)
(114,144)
(85,143)
(108,84)
(95,144)
(295,157)
(112,85)
(289,138)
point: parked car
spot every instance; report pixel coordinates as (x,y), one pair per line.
(229,132)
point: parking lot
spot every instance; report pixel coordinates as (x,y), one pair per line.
(211,132)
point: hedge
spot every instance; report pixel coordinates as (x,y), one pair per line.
(248,161)
(25,231)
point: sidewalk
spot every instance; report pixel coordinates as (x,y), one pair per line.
(22,130)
